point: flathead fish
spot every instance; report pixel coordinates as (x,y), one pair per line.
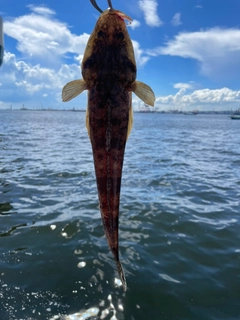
(109,75)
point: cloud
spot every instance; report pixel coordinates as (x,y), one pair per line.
(176,20)
(149,8)
(38,34)
(217,50)
(204,99)
(41,10)
(42,38)
(140,57)
(134,24)
(182,85)
(22,82)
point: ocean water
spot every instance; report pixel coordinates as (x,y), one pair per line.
(179,220)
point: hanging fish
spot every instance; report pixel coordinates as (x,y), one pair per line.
(109,75)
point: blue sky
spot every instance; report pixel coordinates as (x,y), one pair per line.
(188,51)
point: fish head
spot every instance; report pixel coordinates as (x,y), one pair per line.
(109,50)
(112,24)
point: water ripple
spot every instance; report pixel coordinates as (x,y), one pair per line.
(179,220)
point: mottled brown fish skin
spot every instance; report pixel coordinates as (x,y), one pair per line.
(109,70)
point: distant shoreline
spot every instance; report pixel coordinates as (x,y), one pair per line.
(225,112)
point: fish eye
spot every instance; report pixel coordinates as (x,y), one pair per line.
(101,34)
(120,36)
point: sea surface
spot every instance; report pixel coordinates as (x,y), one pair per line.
(179,220)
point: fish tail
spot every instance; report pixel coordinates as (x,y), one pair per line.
(121,275)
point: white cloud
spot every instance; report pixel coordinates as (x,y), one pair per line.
(149,8)
(140,57)
(134,24)
(22,82)
(38,34)
(217,50)
(176,20)
(204,99)
(182,85)
(41,10)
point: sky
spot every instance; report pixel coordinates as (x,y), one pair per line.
(188,51)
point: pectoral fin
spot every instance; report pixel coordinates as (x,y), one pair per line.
(144,92)
(73,89)
(130,118)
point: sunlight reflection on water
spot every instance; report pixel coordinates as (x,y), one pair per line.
(102,312)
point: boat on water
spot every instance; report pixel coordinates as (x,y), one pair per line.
(1,41)
(236,115)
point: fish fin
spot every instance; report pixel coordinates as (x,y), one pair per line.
(144,92)
(130,118)
(73,89)
(122,275)
(87,122)
(123,15)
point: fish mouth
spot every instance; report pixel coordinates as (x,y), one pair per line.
(93,2)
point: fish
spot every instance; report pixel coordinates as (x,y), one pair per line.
(109,75)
